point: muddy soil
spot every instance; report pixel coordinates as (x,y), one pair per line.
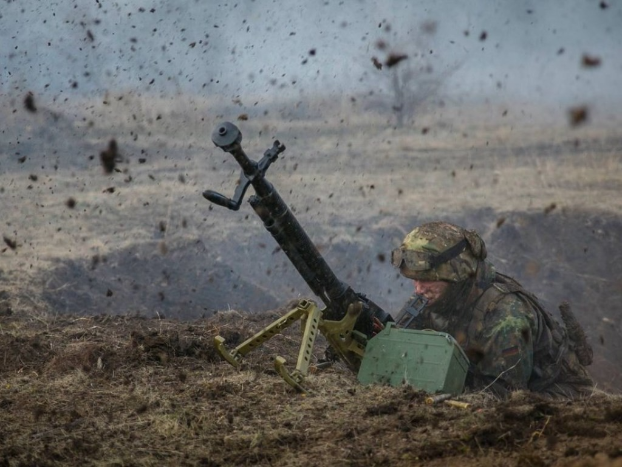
(113,390)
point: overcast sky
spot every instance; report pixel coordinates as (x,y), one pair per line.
(504,49)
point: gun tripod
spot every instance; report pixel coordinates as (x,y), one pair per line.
(342,337)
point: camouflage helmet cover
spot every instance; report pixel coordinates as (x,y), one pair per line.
(439,251)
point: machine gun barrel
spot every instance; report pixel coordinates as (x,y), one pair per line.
(288,233)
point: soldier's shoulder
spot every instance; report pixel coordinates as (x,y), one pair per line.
(495,293)
(503,300)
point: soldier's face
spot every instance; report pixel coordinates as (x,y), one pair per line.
(432,290)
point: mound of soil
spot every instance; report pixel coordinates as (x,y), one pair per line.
(79,390)
(182,279)
(558,254)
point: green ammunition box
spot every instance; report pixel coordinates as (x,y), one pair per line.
(428,360)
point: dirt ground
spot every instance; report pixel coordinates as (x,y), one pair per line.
(113,285)
(111,390)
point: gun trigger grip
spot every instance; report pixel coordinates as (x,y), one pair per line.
(221,200)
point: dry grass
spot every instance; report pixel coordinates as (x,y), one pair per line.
(160,396)
(504,165)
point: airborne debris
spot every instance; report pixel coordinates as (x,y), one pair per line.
(578,115)
(483,36)
(29,102)
(70,203)
(12,244)
(550,208)
(376,63)
(590,61)
(110,156)
(394,59)
(243,117)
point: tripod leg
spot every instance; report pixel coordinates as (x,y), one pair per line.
(234,357)
(312,323)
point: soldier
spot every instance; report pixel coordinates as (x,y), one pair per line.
(512,343)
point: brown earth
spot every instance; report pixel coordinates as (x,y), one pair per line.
(109,281)
(111,390)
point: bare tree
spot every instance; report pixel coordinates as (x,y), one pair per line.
(411,78)
(412,86)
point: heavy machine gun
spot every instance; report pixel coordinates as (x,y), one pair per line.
(348,317)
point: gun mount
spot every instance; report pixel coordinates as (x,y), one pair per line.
(347,319)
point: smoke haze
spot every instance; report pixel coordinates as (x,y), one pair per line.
(500,51)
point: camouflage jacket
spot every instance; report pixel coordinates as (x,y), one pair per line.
(511,341)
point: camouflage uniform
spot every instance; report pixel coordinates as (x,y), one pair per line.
(511,341)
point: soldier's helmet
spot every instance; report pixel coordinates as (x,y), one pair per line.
(439,251)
